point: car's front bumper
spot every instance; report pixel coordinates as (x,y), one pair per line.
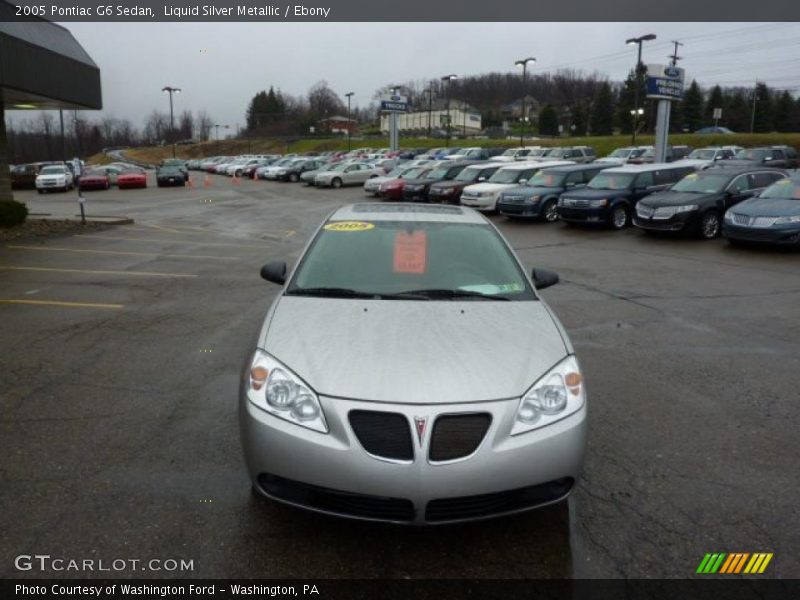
(783,234)
(504,475)
(583,215)
(683,221)
(482,203)
(520,208)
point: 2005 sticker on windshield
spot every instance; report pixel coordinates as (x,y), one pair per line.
(349,226)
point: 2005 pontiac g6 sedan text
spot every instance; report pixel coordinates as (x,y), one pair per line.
(409,372)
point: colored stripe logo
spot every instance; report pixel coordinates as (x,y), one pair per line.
(734,563)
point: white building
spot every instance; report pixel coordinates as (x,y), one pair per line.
(463,119)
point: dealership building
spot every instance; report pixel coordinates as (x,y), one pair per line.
(463,119)
(42,67)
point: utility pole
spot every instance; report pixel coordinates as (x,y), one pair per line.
(753,114)
(349,123)
(448,79)
(636,112)
(524,64)
(674,56)
(430,107)
(171,90)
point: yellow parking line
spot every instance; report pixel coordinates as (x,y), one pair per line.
(96,272)
(60,249)
(59,303)
(150,240)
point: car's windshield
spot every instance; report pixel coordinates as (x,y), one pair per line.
(703,154)
(95,173)
(469,174)
(52,170)
(439,173)
(547,179)
(702,183)
(785,189)
(620,153)
(425,260)
(511,175)
(752,154)
(510,152)
(556,153)
(650,153)
(397,172)
(611,181)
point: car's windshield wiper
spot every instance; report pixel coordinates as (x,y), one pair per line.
(338,292)
(451,294)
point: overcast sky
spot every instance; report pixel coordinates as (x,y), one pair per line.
(221,66)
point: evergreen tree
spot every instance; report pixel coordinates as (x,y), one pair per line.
(737,113)
(762,119)
(579,124)
(784,112)
(693,107)
(715,100)
(602,117)
(548,121)
(627,101)
(676,120)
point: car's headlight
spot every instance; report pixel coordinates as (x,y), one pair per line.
(280,172)
(558,394)
(598,203)
(728,218)
(787,220)
(535,198)
(665,212)
(274,388)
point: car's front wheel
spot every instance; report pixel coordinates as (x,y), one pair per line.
(294,177)
(549,211)
(709,225)
(619,217)
(336,183)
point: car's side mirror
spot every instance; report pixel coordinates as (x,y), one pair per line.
(481,179)
(274,271)
(523,181)
(542,278)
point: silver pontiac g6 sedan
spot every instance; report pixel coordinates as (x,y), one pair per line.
(408,371)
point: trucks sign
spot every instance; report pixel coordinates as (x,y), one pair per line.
(394,103)
(664,82)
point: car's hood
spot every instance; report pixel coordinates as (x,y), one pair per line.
(668,198)
(694,162)
(768,207)
(488,187)
(611,160)
(738,162)
(48,177)
(418,352)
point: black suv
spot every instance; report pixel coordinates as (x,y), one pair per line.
(539,196)
(416,190)
(779,157)
(611,196)
(698,202)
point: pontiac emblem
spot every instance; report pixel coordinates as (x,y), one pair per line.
(420,423)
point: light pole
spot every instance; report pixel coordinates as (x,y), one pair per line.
(349,124)
(448,79)
(216,128)
(430,106)
(524,64)
(171,90)
(636,112)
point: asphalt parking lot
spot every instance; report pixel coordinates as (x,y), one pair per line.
(121,357)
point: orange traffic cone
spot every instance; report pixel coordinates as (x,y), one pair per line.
(207,181)
(236,180)
(189,182)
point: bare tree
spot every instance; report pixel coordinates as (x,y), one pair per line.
(203,125)
(186,125)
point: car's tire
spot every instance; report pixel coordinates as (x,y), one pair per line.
(550,211)
(238,173)
(40,191)
(620,217)
(336,183)
(709,226)
(294,177)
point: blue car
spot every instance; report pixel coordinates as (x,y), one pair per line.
(772,217)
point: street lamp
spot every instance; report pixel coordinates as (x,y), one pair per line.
(171,90)
(637,41)
(216,128)
(524,64)
(448,79)
(430,105)
(349,124)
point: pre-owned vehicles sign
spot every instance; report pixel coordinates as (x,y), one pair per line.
(664,82)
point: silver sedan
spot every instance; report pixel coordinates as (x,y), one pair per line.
(347,174)
(409,371)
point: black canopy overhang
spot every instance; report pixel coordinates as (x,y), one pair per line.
(43,67)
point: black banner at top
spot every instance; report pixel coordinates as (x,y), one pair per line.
(405,10)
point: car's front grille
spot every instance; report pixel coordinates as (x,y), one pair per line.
(512,199)
(574,202)
(383,434)
(486,505)
(741,219)
(337,501)
(456,436)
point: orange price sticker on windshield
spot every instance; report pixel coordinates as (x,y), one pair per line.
(797,192)
(410,252)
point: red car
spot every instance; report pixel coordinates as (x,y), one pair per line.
(132,179)
(95,179)
(393,188)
